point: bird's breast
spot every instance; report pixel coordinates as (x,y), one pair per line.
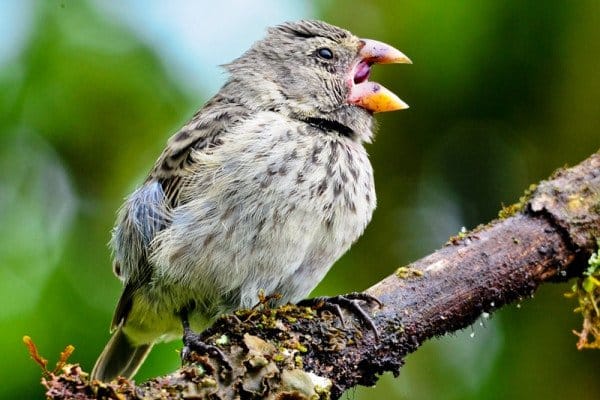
(274,198)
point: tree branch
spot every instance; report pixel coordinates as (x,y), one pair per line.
(548,237)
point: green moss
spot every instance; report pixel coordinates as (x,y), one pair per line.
(222,341)
(462,234)
(587,293)
(407,271)
(208,382)
(509,211)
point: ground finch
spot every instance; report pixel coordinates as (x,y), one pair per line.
(263,190)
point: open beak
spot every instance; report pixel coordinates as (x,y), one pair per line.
(371,95)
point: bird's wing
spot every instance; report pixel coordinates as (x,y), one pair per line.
(148,210)
(202,133)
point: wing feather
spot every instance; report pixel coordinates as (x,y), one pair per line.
(149,209)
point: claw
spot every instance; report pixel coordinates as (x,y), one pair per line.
(350,302)
(193,343)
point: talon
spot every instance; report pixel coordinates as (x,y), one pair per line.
(364,297)
(193,343)
(348,301)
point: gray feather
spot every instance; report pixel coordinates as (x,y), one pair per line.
(119,358)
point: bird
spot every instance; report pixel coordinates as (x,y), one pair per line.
(264,188)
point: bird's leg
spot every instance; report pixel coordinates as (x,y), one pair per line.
(193,343)
(348,301)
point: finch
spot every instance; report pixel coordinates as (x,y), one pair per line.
(263,190)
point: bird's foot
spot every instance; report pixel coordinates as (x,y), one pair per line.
(193,344)
(348,301)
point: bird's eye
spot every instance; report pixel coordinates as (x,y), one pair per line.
(325,53)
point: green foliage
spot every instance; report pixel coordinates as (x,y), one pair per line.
(587,292)
(594,262)
(84,111)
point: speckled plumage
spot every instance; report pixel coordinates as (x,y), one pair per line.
(264,189)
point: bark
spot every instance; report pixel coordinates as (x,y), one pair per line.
(548,236)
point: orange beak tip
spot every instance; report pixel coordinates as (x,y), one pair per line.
(375,98)
(370,95)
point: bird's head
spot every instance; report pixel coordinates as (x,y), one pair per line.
(313,70)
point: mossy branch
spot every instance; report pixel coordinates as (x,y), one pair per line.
(293,352)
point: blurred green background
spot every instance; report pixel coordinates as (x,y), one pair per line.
(501,94)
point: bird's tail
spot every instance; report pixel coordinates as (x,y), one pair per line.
(119,358)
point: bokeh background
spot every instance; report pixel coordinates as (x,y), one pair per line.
(501,94)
